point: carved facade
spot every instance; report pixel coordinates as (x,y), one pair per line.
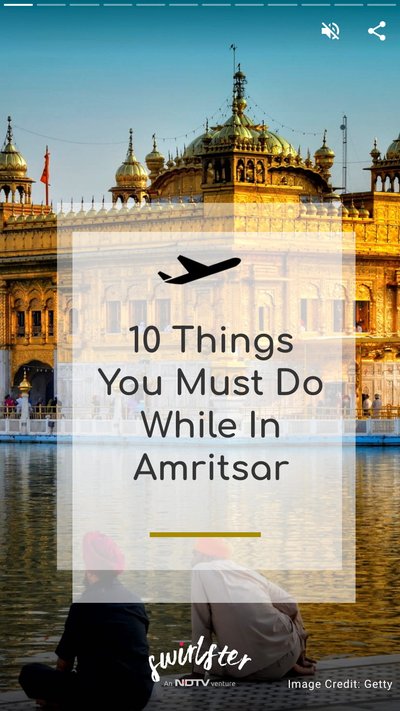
(236,162)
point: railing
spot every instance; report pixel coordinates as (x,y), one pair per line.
(389,412)
(299,429)
(106,412)
(36,412)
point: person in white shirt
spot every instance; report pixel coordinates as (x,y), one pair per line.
(376,405)
(255,617)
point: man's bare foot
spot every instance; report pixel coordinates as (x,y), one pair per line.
(305,661)
(302,670)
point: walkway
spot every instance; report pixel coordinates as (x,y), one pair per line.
(276,696)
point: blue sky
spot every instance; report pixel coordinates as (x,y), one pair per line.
(87,74)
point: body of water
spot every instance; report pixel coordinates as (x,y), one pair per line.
(35,597)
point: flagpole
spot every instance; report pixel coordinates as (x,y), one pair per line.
(47,181)
(46,174)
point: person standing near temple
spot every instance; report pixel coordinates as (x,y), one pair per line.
(376,406)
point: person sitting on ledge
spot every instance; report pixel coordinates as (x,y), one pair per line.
(105,632)
(268,628)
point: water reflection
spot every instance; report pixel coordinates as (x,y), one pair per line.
(35,596)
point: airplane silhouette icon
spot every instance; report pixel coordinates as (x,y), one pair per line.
(197,270)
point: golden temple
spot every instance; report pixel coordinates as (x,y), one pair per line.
(238,162)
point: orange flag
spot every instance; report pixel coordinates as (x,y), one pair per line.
(46,170)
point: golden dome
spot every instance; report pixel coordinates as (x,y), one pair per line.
(363,212)
(232,128)
(131,173)
(276,144)
(353,212)
(11,160)
(155,160)
(393,152)
(240,126)
(375,153)
(196,147)
(324,156)
(24,385)
(243,127)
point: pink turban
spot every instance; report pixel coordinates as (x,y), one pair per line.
(100,552)
(214,547)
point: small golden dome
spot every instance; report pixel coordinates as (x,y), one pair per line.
(155,160)
(92,212)
(353,212)
(131,173)
(24,385)
(232,128)
(170,162)
(324,156)
(363,212)
(241,105)
(11,160)
(102,212)
(51,216)
(375,153)
(393,152)
(31,216)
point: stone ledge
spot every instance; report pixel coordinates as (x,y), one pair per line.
(276,696)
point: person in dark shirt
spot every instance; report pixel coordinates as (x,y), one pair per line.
(105,635)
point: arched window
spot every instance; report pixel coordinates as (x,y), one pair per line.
(362,310)
(250,172)
(309,309)
(266,313)
(36,318)
(50,317)
(163,314)
(260,172)
(19,307)
(113,316)
(240,172)
(227,170)
(338,309)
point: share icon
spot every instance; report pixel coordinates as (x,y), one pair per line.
(372,30)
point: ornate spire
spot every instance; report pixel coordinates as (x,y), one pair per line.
(154,142)
(239,81)
(207,136)
(9,130)
(130,145)
(324,141)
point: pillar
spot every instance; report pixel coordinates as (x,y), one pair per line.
(24,388)
(4,345)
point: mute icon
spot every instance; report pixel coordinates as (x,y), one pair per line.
(331,30)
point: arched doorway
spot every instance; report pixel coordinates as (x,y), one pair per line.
(41,377)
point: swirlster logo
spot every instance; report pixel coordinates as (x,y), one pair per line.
(194,654)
